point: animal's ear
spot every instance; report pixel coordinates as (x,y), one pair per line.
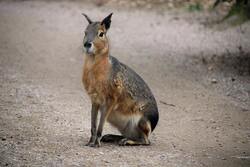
(87,17)
(107,21)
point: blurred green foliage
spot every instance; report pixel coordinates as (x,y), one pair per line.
(195,7)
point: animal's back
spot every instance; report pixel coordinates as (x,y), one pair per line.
(135,89)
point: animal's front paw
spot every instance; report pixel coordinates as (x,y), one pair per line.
(97,143)
(91,141)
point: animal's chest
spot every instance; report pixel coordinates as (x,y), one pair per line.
(95,80)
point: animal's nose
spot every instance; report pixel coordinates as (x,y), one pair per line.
(87,44)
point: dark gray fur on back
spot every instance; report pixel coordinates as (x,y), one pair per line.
(133,83)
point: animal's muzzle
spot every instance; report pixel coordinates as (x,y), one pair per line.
(87,45)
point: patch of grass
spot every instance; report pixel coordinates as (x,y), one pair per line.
(196,7)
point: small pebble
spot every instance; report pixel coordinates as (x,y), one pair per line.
(106,161)
(214,81)
(210,68)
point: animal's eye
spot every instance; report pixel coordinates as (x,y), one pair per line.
(101,34)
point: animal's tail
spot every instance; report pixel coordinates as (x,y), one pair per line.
(153,117)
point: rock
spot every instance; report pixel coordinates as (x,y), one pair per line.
(244,110)
(106,161)
(214,81)
(210,68)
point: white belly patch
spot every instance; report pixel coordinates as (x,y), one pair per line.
(126,124)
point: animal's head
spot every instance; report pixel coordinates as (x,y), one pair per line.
(95,40)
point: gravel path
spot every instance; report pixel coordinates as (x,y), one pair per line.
(45,113)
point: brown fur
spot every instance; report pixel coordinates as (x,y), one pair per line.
(95,78)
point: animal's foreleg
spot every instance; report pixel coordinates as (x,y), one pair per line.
(94,113)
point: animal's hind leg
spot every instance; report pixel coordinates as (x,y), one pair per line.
(110,138)
(130,142)
(143,129)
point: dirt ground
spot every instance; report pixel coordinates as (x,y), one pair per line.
(198,74)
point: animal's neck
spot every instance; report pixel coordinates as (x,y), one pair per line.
(98,57)
(97,67)
(101,56)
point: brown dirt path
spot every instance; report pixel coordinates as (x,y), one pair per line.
(45,114)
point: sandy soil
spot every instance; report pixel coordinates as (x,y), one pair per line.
(45,113)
